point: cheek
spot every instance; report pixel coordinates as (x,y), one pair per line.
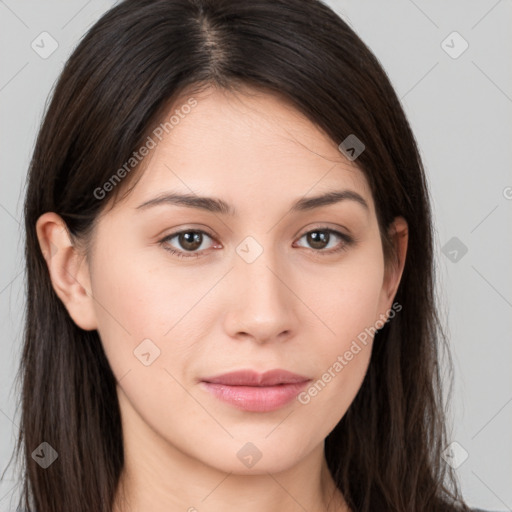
(136,301)
(349,299)
(348,305)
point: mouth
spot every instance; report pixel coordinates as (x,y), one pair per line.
(254,392)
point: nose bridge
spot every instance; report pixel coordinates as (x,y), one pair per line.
(262,306)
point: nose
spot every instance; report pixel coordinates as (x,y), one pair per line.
(262,305)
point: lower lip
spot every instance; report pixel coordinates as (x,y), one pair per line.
(256,399)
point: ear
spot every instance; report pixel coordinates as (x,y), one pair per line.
(68,269)
(399,237)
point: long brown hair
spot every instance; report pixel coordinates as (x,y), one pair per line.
(385,453)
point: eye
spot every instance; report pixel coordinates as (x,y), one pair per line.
(190,241)
(320,238)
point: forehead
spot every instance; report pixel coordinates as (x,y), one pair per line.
(248,147)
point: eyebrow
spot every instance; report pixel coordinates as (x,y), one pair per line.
(216,205)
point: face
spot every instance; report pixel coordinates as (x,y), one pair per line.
(180,294)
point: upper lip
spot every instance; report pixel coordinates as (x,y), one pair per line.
(253,378)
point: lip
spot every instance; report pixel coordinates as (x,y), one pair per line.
(256,392)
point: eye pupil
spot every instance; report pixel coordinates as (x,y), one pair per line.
(190,240)
(318,239)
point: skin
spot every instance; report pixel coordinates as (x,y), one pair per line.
(294,307)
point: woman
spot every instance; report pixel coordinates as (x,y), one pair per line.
(230,273)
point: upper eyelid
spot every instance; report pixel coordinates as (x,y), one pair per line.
(187,230)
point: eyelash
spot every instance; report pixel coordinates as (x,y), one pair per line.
(348,241)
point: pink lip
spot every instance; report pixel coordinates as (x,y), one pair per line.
(251,391)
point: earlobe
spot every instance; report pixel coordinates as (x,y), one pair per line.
(68,269)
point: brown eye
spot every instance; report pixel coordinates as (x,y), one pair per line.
(188,241)
(320,238)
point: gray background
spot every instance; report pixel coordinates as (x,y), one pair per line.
(460,108)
